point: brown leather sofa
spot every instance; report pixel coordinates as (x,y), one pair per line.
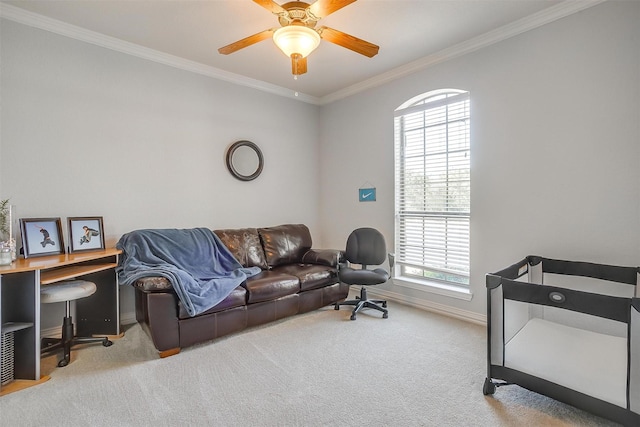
(295,279)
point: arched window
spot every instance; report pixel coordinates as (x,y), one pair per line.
(433,185)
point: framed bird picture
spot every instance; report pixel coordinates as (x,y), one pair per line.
(85,234)
(41,236)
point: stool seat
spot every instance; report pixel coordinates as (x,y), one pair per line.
(66,291)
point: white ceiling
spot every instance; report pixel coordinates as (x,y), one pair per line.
(407,31)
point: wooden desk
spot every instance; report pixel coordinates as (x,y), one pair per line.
(20,284)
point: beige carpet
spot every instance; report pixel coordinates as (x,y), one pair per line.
(319,369)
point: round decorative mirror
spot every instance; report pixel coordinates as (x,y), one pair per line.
(244,160)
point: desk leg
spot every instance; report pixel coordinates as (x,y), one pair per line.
(99,314)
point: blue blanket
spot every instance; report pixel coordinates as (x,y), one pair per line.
(198,265)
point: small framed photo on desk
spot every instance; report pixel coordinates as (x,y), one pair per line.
(85,234)
(41,236)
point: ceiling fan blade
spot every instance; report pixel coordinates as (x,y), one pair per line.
(247,41)
(271,6)
(350,42)
(322,8)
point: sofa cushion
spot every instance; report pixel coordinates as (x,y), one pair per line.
(311,276)
(237,298)
(244,244)
(285,244)
(270,285)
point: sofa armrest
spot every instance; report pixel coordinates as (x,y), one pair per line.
(328,257)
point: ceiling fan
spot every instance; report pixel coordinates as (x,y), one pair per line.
(298,35)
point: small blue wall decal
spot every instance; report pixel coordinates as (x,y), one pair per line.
(367,194)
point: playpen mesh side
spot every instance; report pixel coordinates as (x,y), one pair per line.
(634,357)
(495,306)
(496,326)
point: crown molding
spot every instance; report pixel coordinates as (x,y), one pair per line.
(515,28)
(35,20)
(553,13)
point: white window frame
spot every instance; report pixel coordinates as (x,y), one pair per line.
(441,267)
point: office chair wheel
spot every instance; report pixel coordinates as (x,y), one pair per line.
(62,363)
(385,315)
(384,304)
(336,306)
(353,317)
(107,343)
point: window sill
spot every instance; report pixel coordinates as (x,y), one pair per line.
(434,287)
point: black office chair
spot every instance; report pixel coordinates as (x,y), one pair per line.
(365,246)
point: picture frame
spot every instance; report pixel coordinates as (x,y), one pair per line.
(86,233)
(41,236)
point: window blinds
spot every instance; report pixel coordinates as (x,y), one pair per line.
(433,186)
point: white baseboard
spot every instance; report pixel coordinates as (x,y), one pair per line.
(469,316)
(51,332)
(128,318)
(447,310)
(55,332)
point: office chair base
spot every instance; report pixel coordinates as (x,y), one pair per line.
(67,341)
(363,302)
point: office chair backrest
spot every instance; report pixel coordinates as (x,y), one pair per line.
(366,246)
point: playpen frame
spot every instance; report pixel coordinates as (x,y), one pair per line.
(508,284)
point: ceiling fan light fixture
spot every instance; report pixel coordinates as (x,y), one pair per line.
(296,39)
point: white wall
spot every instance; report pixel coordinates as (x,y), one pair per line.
(90,131)
(555,147)
(555,139)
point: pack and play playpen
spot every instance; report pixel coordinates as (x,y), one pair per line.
(568,330)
